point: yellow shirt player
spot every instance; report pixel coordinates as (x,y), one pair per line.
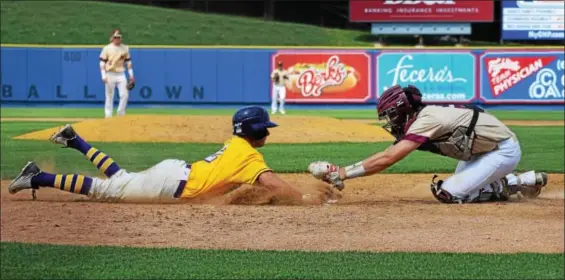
(237,162)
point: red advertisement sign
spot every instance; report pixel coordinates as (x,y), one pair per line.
(505,73)
(421,11)
(325,76)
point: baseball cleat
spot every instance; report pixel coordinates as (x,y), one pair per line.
(534,191)
(23,180)
(65,134)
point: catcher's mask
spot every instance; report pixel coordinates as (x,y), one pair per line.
(397,105)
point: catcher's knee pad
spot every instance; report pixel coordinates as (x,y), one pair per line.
(442,195)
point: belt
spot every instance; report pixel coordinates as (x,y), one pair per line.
(182,185)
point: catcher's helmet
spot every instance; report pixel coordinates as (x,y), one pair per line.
(252,121)
(397,105)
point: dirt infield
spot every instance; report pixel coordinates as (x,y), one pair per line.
(378,213)
(216,129)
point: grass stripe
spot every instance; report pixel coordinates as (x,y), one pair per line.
(26,261)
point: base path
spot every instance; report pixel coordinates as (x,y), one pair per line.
(389,212)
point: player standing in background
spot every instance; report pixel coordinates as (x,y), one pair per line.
(113,58)
(237,162)
(279,77)
(487,150)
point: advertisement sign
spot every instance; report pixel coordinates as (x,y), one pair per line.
(442,77)
(532,20)
(421,11)
(522,77)
(326,76)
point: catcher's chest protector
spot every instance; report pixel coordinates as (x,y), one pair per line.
(458,144)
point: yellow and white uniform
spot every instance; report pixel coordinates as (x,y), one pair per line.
(113,60)
(235,164)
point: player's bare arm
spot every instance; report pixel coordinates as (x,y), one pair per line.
(369,166)
(280,188)
(379,161)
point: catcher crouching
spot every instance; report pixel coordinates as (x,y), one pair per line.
(487,150)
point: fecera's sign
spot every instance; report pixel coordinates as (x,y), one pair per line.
(522,77)
(442,77)
(326,76)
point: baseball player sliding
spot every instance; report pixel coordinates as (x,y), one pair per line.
(487,150)
(112,68)
(171,180)
(279,77)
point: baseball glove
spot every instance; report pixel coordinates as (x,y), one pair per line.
(130,85)
(276,78)
(327,172)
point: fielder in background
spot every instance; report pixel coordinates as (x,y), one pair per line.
(113,59)
(279,77)
(487,150)
(172,180)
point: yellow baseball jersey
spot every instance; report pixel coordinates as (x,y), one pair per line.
(235,164)
(115,57)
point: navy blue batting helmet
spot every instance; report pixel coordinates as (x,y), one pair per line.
(252,121)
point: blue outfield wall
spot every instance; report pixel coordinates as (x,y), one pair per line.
(185,76)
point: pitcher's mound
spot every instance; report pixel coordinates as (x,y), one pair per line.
(216,129)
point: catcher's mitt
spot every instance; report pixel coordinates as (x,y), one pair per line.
(130,85)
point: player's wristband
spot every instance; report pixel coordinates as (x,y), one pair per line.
(103,74)
(354,170)
(130,72)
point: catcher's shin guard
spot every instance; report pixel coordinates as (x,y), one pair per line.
(442,195)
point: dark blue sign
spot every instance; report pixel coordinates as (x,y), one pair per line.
(522,77)
(532,20)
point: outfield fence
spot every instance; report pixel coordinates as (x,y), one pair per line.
(207,75)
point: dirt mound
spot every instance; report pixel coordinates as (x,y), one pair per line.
(385,212)
(216,129)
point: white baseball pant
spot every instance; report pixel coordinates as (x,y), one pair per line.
(157,184)
(476,176)
(279,93)
(113,80)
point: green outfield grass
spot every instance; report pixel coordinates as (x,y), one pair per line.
(336,113)
(74,262)
(89,22)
